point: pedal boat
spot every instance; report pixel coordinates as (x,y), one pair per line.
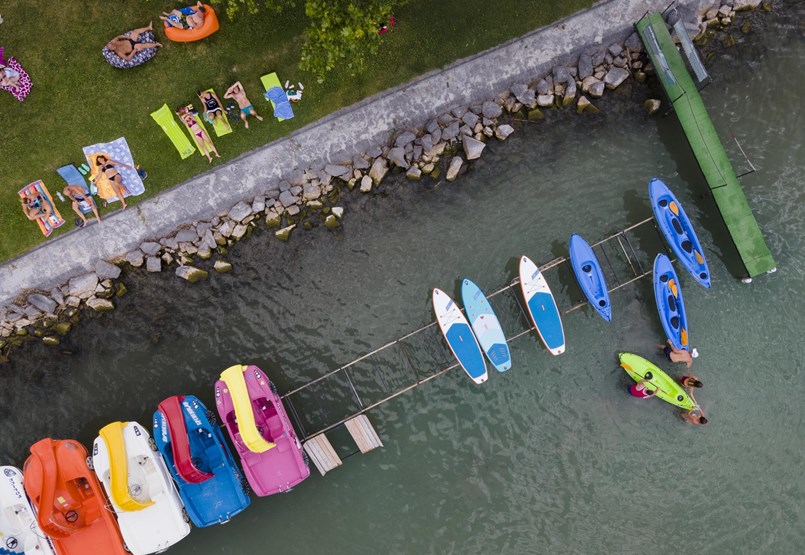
(149,511)
(68,499)
(210,484)
(19,531)
(270,453)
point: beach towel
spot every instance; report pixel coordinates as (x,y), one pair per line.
(24,84)
(118,150)
(164,117)
(220,125)
(46,225)
(72,176)
(138,59)
(276,95)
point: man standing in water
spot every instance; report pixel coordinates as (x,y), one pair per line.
(678,355)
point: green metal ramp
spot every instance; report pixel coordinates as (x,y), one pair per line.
(706,146)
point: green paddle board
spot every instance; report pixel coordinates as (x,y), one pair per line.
(667,389)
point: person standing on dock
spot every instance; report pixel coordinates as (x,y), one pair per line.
(678,355)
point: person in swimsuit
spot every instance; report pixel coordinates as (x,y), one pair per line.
(678,355)
(237,93)
(204,142)
(212,106)
(126,46)
(641,390)
(694,416)
(77,195)
(106,167)
(190,17)
(9,77)
(35,207)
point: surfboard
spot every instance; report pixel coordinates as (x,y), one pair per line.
(542,307)
(590,276)
(667,389)
(670,304)
(459,336)
(486,326)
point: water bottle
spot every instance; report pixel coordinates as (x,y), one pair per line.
(61,197)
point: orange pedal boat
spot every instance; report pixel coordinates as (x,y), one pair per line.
(69,501)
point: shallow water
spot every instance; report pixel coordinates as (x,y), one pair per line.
(551,457)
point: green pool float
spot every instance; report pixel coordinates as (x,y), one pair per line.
(667,389)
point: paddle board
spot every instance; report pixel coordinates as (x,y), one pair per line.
(486,326)
(656,380)
(542,307)
(670,304)
(678,231)
(590,276)
(459,336)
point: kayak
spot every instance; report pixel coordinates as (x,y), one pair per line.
(670,305)
(590,276)
(656,380)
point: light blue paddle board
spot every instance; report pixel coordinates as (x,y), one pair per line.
(486,326)
(542,307)
(459,336)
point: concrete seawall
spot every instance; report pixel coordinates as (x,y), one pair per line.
(335,138)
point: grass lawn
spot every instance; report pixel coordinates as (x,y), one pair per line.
(78,99)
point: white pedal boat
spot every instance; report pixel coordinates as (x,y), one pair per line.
(149,511)
(19,531)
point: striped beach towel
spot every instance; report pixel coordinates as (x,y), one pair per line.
(38,189)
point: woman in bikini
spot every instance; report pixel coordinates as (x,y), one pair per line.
(106,167)
(212,106)
(126,45)
(204,141)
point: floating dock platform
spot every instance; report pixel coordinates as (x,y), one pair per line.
(707,148)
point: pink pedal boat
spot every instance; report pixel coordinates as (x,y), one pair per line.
(270,453)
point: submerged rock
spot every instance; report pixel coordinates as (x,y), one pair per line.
(222,266)
(453,169)
(397,155)
(652,105)
(100,305)
(331,222)
(377,172)
(135,258)
(51,341)
(191,273)
(615,77)
(273,219)
(366,183)
(503,132)
(153,264)
(284,233)
(473,148)
(413,173)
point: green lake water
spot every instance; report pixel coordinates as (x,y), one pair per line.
(551,457)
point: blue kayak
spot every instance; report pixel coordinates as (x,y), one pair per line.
(670,305)
(590,276)
(678,231)
(486,326)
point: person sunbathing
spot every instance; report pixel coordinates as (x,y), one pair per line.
(107,167)
(237,93)
(77,195)
(9,77)
(35,207)
(204,142)
(127,45)
(212,106)
(190,17)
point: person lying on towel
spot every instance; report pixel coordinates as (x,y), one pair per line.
(190,17)
(77,196)
(34,206)
(9,77)
(126,46)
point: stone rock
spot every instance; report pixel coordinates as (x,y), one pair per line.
(596,89)
(239,231)
(465,130)
(273,219)
(528,98)
(297,177)
(366,183)
(459,112)
(614,77)
(237,213)
(135,258)
(82,285)
(62,328)
(286,185)
(56,295)
(100,305)
(51,341)
(652,105)
(376,173)
(167,258)
(311,192)
(450,132)
(570,93)
(151,248)
(204,252)
(473,148)
(453,168)
(585,65)
(432,126)
(359,162)
(331,222)
(535,115)
(598,58)
(191,273)
(169,243)
(615,49)
(445,119)
(404,139)
(292,210)
(427,142)
(503,132)
(620,61)
(414,173)
(32,312)
(284,233)
(222,266)
(470,119)
(338,212)
(226,229)
(397,155)
(336,170)
(489,110)
(209,240)
(741,5)
(258,204)
(296,190)
(545,100)
(286,198)
(633,43)
(43,303)
(153,264)
(585,106)
(105,270)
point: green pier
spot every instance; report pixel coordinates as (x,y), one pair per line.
(710,154)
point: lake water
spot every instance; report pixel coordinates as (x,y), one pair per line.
(551,457)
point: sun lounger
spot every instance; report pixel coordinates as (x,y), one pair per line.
(46,225)
(276,95)
(119,151)
(164,117)
(220,125)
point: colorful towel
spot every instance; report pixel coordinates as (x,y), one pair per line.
(118,150)
(47,225)
(72,176)
(276,95)
(164,117)
(24,85)
(138,59)
(220,125)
